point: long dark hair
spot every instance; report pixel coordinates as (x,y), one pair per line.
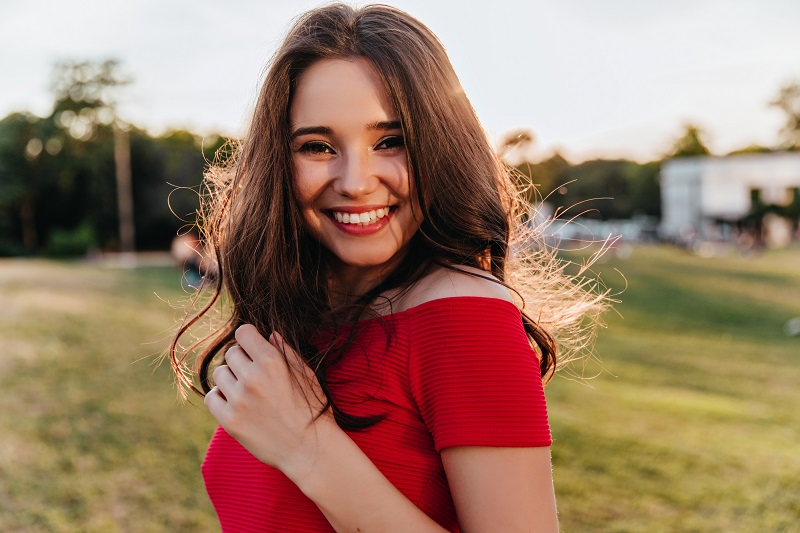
(273,272)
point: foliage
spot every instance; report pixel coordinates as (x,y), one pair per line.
(167,174)
(644,188)
(26,171)
(759,209)
(599,184)
(517,141)
(538,179)
(607,189)
(57,174)
(48,175)
(690,143)
(74,242)
(753,149)
(87,84)
(788,101)
(604,189)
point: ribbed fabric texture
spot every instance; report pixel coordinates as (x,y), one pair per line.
(450,372)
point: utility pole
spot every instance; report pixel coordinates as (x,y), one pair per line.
(122,162)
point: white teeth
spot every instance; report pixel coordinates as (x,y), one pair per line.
(365,218)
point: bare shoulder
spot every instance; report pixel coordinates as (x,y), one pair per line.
(450,283)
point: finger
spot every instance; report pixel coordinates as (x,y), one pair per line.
(224,379)
(293,358)
(215,393)
(237,360)
(299,367)
(215,402)
(214,396)
(276,340)
(253,342)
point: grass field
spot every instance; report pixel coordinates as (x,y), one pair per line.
(691,424)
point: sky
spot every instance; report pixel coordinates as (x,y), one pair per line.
(617,78)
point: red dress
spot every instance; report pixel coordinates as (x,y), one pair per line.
(456,372)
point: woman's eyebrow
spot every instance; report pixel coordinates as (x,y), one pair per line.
(316,130)
(385,125)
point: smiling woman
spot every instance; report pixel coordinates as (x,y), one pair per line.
(379,371)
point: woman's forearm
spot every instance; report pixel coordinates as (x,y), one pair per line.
(350,490)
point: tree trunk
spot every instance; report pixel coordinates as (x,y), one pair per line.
(122,161)
(27,217)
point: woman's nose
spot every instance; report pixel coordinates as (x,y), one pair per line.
(356,176)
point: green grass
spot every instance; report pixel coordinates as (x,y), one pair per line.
(92,437)
(692,424)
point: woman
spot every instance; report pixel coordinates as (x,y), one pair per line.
(378,374)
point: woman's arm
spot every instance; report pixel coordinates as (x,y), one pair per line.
(352,493)
(502,489)
(478,385)
(261,406)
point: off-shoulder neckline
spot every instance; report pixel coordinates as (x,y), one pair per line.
(442,301)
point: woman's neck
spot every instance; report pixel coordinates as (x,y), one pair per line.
(347,283)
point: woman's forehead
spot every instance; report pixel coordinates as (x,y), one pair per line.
(340,91)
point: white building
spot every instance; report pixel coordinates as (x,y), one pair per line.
(699,194)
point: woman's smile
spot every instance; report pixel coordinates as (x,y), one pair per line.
(360,216)
(361,221)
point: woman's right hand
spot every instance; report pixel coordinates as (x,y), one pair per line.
(270,407)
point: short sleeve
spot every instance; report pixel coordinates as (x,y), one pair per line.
(474,375)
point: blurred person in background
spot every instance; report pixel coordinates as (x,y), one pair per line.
(190,254)
(377,370)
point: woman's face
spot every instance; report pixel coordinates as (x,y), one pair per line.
(351,171)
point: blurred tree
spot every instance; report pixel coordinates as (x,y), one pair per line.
(598,189)
(86,100)
(609,189)
(46,180)
(168,171)
(515,150)
(518,141)
(752,149)
(788,101)
(24,170)
(80,86)
(537,179)
(57,188)
(644,188)
(689,144)
(605,189)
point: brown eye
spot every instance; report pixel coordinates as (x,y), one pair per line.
(316,147)
(393,142)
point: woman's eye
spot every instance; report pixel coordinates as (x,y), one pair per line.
(395,141)
(316,147)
